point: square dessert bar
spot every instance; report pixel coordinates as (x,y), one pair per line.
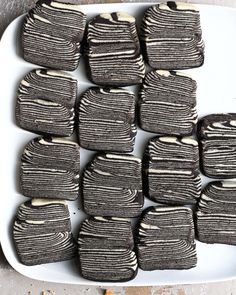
(168,103)
(52,33)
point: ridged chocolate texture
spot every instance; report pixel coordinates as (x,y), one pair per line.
(113,50)
(106,250)
(42,232)
(217,134)
(112,186)
(168,103)
(50,169)
(45,102)
(165,239)
(172,37)
(171,170)
(216,213)
(52,33)
(107,119)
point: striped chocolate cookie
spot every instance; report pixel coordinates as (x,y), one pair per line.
(42,232)
(114,56)
(171,170)
(106,250)
(45,102)
(172,36)
(112,186)
(50,169)
(107,119)
(168,103)
(216,213)
(165,239)
(52,33)
(217,134)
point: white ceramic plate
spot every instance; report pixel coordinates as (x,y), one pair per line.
(216,93)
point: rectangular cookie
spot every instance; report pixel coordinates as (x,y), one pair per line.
(112,186)
(106,250)
(171,170)
(50,169)
(216,213)
(45,102)
(168,103)
(165,239)
(52,33)
(217,137)
(42,232)
(114,56)
(172,37)
(107,120)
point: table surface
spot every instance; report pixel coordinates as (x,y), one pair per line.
(13,283)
